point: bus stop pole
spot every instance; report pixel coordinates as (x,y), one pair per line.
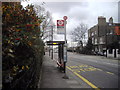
(65,51)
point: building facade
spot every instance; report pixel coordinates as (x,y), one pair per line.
(105,37)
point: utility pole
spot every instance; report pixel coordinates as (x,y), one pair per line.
(106,39)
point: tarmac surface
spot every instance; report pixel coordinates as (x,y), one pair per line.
(52,77)
(102,73)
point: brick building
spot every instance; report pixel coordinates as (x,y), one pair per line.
(105,37)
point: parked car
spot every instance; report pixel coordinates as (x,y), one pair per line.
(101,53)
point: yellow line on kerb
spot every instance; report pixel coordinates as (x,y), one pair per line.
(85,80)
(110,73)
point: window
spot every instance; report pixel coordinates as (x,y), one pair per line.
(95,40)
(92,40)
(89,34)
(95,32)
(101,40)
(92,34)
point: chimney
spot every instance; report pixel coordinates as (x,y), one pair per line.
(111,20)
(101,21)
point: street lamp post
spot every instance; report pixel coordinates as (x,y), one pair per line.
(52,40)
(106,39)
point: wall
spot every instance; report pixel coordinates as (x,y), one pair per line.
(112,55)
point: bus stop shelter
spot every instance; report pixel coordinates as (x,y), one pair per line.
(60,44)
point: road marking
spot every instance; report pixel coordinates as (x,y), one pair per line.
(76,70)
(73,66)
(83,65)
(86,68)
(83,68)
(110,73)
(99,69)
(69,68)
(85,80)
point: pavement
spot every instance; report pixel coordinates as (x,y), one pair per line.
(52,77)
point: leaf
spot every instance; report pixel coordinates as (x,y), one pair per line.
(8,41)
(27,67)
(10,50)
(11,55)
(23,67)
(33,37)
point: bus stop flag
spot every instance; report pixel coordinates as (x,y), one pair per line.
(60,27)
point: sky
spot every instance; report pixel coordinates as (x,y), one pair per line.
(79,11)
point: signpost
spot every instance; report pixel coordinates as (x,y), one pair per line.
(65,48)
(65,17)
(60,27)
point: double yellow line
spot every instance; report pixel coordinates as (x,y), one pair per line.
(85,80)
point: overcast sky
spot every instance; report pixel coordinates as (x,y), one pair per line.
(86,11)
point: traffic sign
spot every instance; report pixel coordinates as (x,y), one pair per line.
(65,17)
(60,27)
(60,22)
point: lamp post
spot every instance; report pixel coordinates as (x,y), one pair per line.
(106,40)
(52,40)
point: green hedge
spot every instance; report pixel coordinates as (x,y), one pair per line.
(21,44)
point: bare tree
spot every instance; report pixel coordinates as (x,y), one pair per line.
(78,34)
(46,18)
(47,26)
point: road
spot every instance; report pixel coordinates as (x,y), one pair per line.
(95,71)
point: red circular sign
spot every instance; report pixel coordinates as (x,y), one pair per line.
(60,22)
(65,17)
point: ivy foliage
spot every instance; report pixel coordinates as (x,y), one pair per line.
(21,42)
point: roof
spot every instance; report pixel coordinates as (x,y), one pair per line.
(117,24)
(55,42)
